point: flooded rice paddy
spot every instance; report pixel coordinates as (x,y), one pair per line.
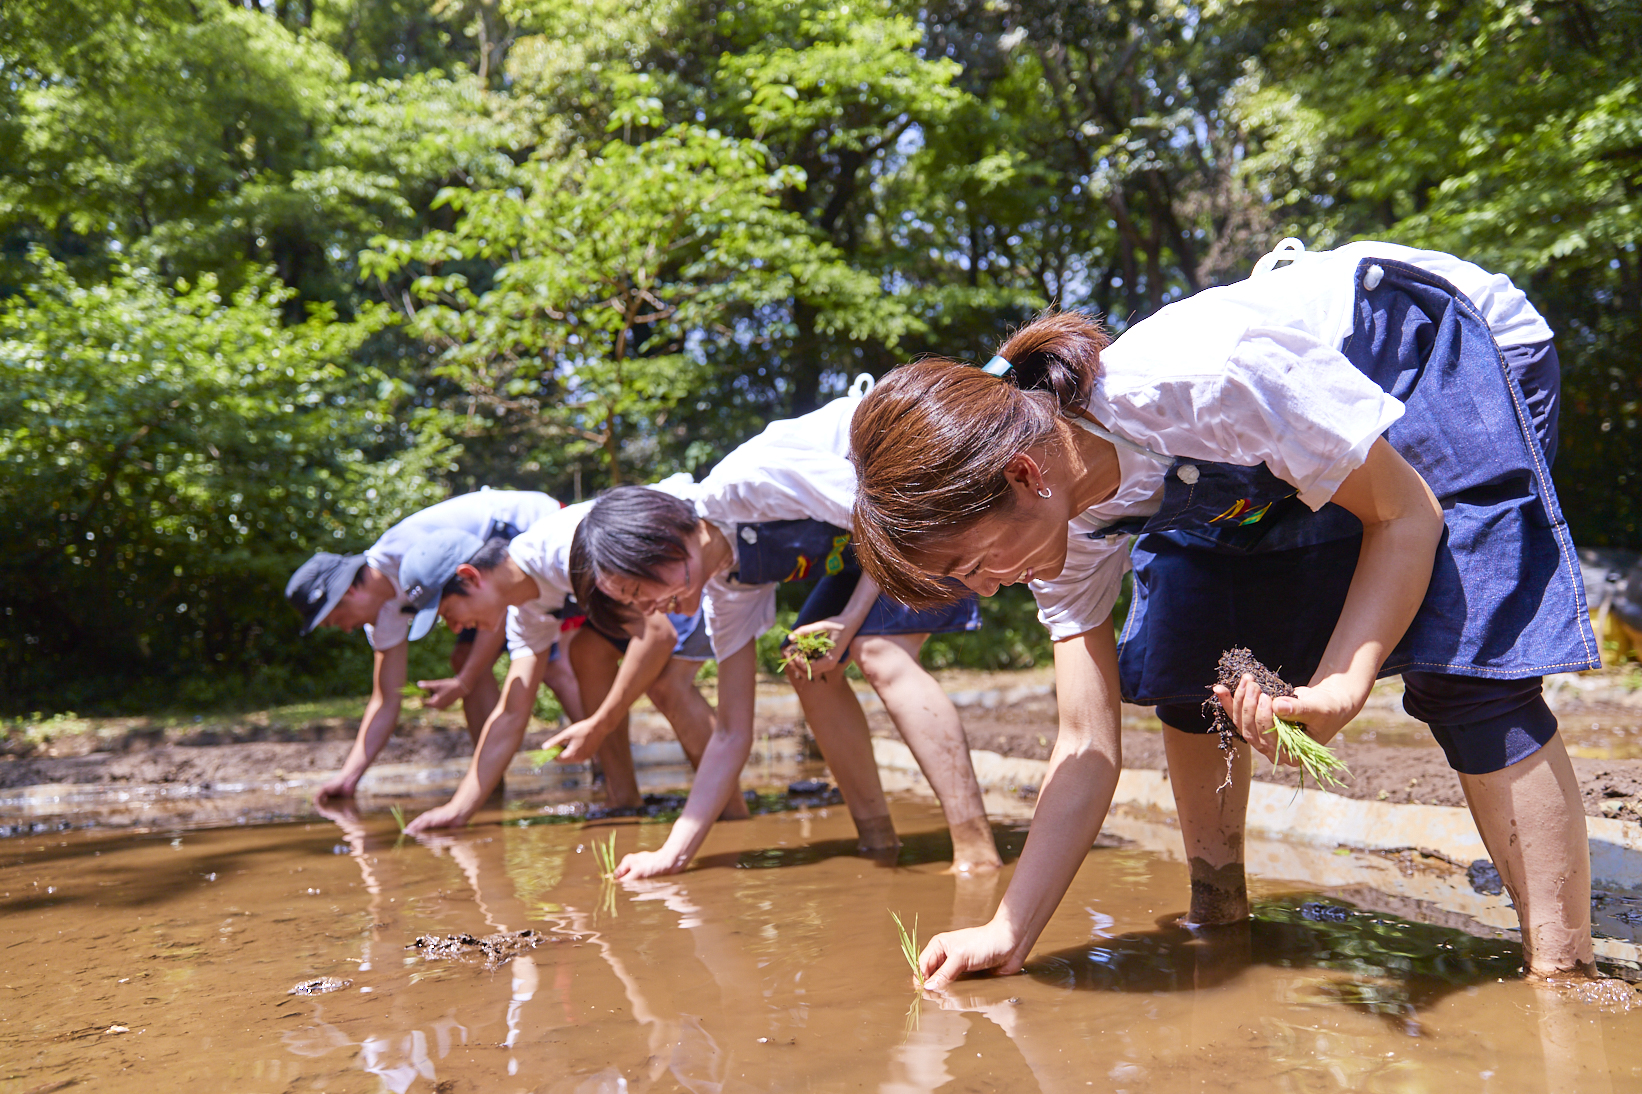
(165,960)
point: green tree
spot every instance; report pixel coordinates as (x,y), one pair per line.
(609,270)
(171,455)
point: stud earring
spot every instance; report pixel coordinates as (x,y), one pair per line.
(1045,492)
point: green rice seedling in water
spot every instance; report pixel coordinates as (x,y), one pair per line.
(398,817)
(804,648)
(909,945)
(605,855)
(541,757)
(1293,742)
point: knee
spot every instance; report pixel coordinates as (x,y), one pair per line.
(880,660)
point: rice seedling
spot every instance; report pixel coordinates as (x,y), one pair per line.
(541,757)
(909,945)
(398,816)
(1293,742)
(605,855)
(801,649)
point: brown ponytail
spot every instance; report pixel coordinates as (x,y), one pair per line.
(931,440)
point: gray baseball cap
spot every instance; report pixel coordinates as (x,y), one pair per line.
(319,583)
(432,561)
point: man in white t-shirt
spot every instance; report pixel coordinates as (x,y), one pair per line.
(349,591)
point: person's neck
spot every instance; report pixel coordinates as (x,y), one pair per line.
(1092,471)
(716,553)
(378,589)
(516,586)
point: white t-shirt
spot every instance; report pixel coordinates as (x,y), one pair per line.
(482,513)
(543,552)
(1246,374)
(797,469)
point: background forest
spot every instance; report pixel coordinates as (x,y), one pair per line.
(275,273)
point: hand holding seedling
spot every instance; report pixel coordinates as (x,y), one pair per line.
(579,741)
(815,648)
(643,864)
(448,815)
(443,693)
(1282,722)
(991,947)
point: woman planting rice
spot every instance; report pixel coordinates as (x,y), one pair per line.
(1341,464)
(778,509)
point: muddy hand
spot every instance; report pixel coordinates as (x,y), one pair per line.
(1322,709)
(833,629)
(443,693)
(971,950)
(446,816)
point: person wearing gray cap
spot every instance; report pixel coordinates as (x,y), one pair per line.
(526,582)
(349,591)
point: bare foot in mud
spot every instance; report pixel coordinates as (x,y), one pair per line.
(1220,895)
(1590,988)
(875,838)
(974,851)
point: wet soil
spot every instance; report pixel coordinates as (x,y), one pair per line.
(1391,757)
(161,961)
(1412,772)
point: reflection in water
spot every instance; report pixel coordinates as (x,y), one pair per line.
(728,980)
(1397,967)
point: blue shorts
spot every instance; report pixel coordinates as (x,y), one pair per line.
(832,593)
(693,643)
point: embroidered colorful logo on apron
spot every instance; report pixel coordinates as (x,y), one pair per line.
(1242,512)
(835,557)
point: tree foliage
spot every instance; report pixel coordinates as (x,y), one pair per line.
(260,258)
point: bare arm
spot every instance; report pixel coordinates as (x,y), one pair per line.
(503,733)
(1072,805)
(381,716)
(1402,525)
(718,776)
(646,656)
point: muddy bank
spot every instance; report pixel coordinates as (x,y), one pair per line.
(1411,771)
(1392,757)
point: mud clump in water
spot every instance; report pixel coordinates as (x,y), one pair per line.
(320,986)
(496,948)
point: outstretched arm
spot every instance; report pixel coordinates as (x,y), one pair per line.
(503,733)
(716,779)
(646,656)
(381,716)
(1402,525)
(1072,805)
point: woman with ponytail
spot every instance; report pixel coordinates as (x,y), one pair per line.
(1341,463)
(777,509)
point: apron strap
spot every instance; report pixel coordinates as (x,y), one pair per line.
(1088,423)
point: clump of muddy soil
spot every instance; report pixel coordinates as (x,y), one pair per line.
(494,948)
(1235,664)
(322,985)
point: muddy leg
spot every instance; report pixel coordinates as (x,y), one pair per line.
(1211,823)
(478,703)
(691,716)
(931,728)
(594,660)
(1533,824)
(840,727)
(561,677)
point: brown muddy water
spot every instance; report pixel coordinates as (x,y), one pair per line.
(163,960)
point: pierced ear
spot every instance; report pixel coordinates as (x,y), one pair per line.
(1023,473)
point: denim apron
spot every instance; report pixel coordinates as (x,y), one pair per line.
(1234,558)
(798,550)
